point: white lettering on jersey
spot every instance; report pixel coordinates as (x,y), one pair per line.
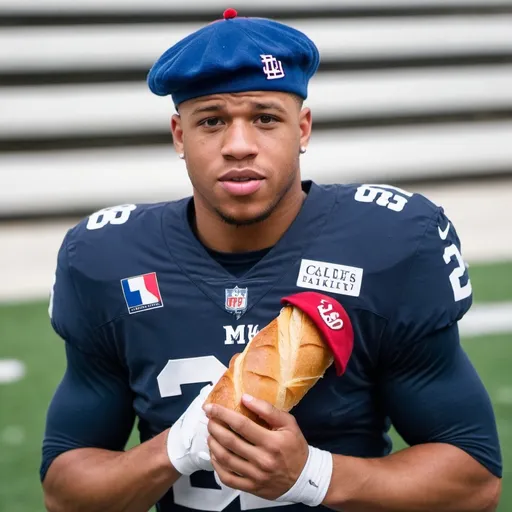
(111,215)
(252,330)
(393,198)
(196,370)
(451,252)
(188,371)
(52,293)
(330,277)
(242,334)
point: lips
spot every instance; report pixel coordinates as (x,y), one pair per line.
(241,175)
(241,182)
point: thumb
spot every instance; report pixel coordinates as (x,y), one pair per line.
(266,411)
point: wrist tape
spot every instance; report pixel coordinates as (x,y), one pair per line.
(312,484)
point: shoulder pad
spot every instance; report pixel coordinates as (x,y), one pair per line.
(112,234)
(387,217)
(408,241)
(94,256)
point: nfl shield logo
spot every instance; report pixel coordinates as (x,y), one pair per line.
(236,300)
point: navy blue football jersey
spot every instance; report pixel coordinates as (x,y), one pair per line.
(135,287)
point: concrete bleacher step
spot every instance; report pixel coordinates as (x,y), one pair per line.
(83,110)
(407,90)
(115,46)
(87,179)
(41,6)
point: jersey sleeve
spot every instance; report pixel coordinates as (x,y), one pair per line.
(68,314)
(435,289)
(91,408)
(433,394)
(75,309)
(93,404)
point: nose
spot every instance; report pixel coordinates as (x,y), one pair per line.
(239,142)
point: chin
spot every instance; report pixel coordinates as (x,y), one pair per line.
(245,218)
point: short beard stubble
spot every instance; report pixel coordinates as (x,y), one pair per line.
(233,221)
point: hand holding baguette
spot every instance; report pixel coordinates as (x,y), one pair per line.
(288,357)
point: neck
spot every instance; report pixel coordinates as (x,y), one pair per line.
(216,234)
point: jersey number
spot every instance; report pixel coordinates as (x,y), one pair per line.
(112,215)
(390,197)
(459,292)
(190,371)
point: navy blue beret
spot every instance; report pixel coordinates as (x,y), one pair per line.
(236,54)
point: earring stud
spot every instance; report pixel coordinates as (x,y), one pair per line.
(303,150)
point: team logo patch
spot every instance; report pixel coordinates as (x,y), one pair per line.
(330,277)
(272,67)
(142,293)
(236,300)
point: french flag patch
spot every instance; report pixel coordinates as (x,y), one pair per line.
(142,293)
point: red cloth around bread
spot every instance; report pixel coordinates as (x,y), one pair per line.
(332,321)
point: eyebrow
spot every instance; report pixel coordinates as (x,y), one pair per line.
(208,108)
(270,106)
(257,106)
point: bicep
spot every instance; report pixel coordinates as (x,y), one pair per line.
(92,407)
(432,393)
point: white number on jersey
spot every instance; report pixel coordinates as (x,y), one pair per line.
(459,292)
(452,251)
(196,370)
(390,197)
(111,215)
(52,292)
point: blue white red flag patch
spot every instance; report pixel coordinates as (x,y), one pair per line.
(142,293)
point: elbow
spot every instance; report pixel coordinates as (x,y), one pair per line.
(52,500)
(489,495)
(494,495)
(51,504)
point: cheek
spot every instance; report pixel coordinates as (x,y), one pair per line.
(283,160)
(196,147)
(281,147)
(201,161)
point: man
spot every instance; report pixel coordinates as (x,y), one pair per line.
(154,300)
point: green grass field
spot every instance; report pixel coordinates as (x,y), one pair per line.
(25,334)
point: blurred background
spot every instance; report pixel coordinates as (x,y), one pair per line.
(413,93)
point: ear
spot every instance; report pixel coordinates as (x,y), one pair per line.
(177,133)
(305,124)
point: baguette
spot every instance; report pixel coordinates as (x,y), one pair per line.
(279,365)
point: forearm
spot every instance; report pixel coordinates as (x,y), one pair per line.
(90,479)
(419,479)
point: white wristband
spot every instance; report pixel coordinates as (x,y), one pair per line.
(312,484)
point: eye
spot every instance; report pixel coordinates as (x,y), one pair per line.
(211,122)
(267,119)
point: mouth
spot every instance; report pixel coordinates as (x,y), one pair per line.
(242,175)
(242,182)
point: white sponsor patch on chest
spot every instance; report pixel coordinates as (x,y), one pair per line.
(330,277)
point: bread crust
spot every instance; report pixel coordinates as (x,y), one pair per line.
(279,365)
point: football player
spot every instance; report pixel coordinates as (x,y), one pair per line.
(153,300)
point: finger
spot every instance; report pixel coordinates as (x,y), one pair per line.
(241,424)
(233,442)
(273,417)
(230,461)
(231,479)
